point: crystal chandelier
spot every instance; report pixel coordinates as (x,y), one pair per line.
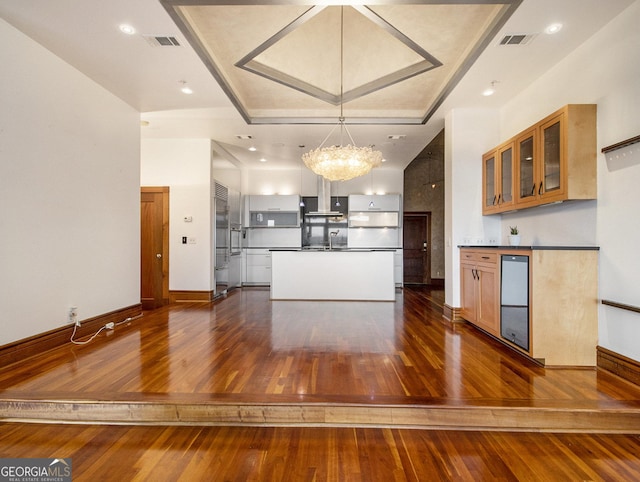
(341,163)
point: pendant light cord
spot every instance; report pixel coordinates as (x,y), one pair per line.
(342,123)
(341,61)
(343,126)
(341,119)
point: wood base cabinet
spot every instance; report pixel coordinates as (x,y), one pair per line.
(564,307)
(563,300)
(480,289)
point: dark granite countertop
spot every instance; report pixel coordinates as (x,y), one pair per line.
(532,248)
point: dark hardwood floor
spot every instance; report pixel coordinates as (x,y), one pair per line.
(341,391)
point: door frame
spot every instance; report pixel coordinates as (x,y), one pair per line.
(427,215)
(164,191)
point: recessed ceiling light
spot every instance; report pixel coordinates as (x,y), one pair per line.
(263,160)
(490,90)
(185,89)
(128,29)
(553,28)
(253,149)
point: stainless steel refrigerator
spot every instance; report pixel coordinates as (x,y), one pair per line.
(235,240)
(221,239)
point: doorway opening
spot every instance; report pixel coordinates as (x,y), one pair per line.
(416,248)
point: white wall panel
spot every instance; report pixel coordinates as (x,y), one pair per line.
(184,165)
(69,193)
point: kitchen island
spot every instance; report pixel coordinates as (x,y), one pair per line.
(339,274)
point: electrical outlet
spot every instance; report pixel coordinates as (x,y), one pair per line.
(73,316)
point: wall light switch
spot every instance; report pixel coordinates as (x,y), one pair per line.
(188,219)
(184,240)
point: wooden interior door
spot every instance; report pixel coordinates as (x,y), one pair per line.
(416,248)
(154,247)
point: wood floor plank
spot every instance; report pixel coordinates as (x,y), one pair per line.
(327,454)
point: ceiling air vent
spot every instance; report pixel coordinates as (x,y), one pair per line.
(161,41)
(517,39)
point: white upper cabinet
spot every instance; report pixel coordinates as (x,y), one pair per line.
(277,202)
(374,202)
(277,211)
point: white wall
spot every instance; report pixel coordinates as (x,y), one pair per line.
(606,71)
(69,193)
(185,166)
(468,134)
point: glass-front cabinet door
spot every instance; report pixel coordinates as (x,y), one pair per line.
(526,168)
(553,159)
(505,177)
(489,183)
(497,176)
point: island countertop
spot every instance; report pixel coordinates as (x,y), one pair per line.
(340,274)
(337,250)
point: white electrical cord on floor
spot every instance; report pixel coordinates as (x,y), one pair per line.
(75,327)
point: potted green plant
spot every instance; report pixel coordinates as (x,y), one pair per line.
(514,236)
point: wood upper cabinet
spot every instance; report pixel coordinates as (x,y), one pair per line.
(553,160)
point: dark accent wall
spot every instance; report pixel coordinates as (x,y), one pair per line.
(424,191)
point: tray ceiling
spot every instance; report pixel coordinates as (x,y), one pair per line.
(285,63)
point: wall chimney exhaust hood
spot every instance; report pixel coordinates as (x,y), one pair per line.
(324,200)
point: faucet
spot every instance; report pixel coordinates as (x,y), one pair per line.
(332,235)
